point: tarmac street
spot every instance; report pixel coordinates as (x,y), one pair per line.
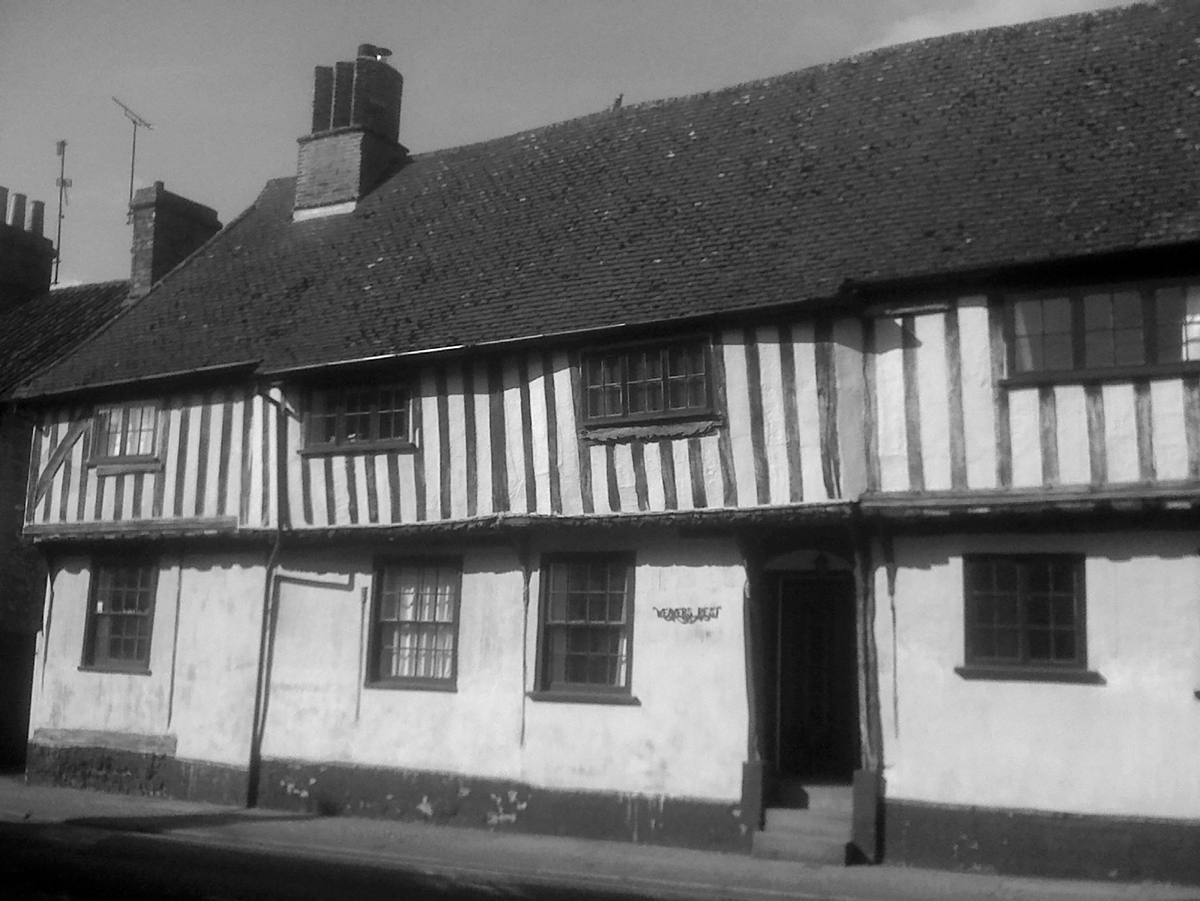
(72,845)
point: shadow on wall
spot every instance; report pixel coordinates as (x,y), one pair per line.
(1051,538)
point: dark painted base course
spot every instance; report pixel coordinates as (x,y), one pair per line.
(453,800)
(1022,842)
(136,773)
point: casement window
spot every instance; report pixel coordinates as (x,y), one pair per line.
(647,382)
(120,616)
(125,433)
(1025,612)
(586,644)
(359,417)
(1112,331)
(415,624)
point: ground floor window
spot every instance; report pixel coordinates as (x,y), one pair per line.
(120,615)
(1025,611)
(415,626)
(587,623)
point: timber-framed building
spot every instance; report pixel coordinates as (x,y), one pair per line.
(808,467)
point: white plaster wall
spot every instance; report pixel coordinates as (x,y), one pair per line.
(216,668)
(200,688)
(687,737)
(320,710)
(67,697)
(1126,747)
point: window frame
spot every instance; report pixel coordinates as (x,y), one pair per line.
(545,689)
(663,345)
(91,659)
(374,677)
(340,445)
(1080,371)
(96,457)
(977,666)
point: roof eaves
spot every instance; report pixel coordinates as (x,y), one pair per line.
(91,387)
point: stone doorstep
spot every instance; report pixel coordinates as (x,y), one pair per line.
(796,794)
(784,820)
(800,848)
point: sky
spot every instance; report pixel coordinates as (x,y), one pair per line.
(227,84)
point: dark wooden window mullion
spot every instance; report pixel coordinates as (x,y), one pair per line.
(1149,326)
(1023,576)
(1078,333)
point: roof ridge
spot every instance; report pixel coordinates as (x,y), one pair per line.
(767,80)
(108,282)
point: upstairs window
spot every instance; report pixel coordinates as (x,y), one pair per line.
(120,616)
(587,624)
(1105,331)
(125,432)
(359,417)
(647,382)
(1025,611)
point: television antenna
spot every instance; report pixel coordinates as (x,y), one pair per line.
(63,183)
(138,122)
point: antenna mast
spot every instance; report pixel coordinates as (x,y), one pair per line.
(138,122)
(63,183)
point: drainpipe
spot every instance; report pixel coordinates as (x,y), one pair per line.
(523,553)
(266,641)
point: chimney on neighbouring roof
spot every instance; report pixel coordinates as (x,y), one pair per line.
(26,258)
(354,143)
(167,229)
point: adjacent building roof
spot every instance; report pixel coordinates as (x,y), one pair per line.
(1056,139)
(41,331)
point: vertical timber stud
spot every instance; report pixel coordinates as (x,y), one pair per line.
(753,774)
(867,832)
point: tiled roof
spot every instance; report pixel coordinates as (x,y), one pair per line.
(1062,138)
(43,330)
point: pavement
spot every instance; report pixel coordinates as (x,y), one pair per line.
(75,818)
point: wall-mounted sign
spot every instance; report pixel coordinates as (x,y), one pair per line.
(687,615)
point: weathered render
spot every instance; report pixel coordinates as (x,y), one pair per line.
(808,467)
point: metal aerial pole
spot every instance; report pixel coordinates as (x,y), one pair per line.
(63,183)
(138,122)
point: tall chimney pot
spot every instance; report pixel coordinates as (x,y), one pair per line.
(26,258)
(167,229)
(354,143)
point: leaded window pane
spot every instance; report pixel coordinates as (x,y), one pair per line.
(416,625)
(645,381)
(586,630)
(121,616)
(1023,610)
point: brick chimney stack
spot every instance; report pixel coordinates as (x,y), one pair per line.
(26,257)
(354,143)
(167,229)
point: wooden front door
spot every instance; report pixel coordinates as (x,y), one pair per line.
(817,697)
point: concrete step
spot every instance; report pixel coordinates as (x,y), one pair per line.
(799,848)
(816,797)
(828,823)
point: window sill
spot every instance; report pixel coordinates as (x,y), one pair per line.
(447,686)
(358,447)
(113,466)
(1029,674)
(650,431)
(584,697)
(116,670)
(1094,376)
